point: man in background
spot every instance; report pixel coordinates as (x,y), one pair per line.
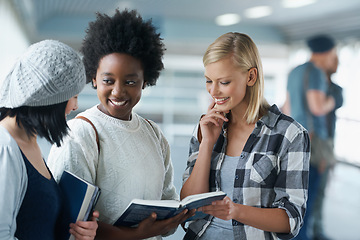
(335,91)
(308,102)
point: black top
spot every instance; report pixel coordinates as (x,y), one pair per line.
(40,209)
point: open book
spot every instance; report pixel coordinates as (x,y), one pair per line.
(79,196)
(139,209)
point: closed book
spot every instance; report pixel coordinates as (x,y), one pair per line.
(79,198)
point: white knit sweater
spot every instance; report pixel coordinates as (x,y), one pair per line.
(134,160)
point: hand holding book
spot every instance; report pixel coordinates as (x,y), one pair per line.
(79,197)
(140,209)
(152,226)
(224,209)
(87,229)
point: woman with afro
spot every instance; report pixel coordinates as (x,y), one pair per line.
(124,154)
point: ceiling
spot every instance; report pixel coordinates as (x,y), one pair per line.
(188,25)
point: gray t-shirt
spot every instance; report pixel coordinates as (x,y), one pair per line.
(221,229)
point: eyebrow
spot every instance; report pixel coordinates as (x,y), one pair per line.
(218,79)
(106,74)
(111,74)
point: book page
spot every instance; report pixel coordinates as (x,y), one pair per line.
(89,196)
(160,203)
(200,196)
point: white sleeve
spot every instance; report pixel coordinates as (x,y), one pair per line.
(169,190)
(13,184)
(78,152)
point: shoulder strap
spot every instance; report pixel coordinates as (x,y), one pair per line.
(150,124)
(96,133)
(155,132)
(306,86)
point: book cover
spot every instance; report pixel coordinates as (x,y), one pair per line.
(79,198)
(139,209)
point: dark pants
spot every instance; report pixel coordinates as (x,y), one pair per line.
(314,181)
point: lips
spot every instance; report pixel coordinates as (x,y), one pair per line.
(118,103)
(220,100)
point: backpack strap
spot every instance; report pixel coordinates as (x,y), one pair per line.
(96,133)
(309,118)
(155,132)
(150,124)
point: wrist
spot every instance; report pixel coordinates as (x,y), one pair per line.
(138,233)
(238,213)
(206,144)
(206,147)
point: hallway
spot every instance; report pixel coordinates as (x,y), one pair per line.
(342,208)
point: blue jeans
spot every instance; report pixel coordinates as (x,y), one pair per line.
(314,180)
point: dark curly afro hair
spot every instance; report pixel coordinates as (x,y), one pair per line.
(125,32)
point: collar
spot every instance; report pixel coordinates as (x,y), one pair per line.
(271,118)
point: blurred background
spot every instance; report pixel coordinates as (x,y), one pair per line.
(278,27)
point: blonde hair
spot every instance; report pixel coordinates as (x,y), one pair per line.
(241,48)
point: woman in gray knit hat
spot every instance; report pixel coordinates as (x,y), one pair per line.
(34,101)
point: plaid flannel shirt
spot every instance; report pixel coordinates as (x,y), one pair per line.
(272,172)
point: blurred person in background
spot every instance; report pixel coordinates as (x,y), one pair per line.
(309,101)
(336,91)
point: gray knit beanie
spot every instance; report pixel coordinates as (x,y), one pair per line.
(49,72)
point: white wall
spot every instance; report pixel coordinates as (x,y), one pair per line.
(13,41)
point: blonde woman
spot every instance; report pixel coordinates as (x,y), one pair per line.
(246,148)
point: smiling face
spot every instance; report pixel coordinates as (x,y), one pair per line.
(119,82)
(227,84)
